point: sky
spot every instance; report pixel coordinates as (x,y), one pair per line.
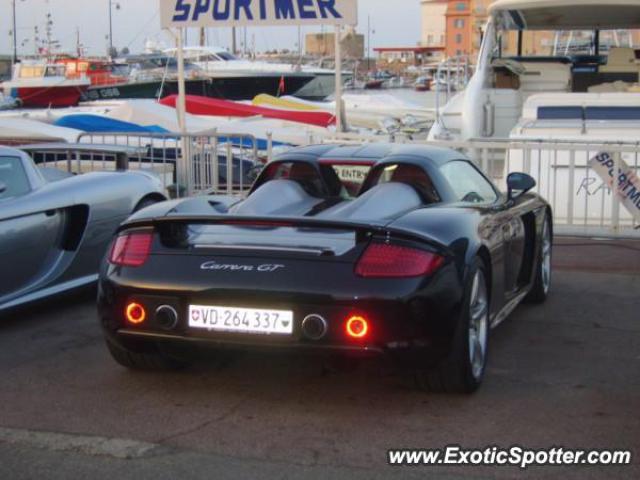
(138,20)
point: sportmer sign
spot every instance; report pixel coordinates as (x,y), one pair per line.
(228,13)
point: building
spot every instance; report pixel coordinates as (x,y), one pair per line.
(459,38)
(398,59)
(323,44)
(434,23)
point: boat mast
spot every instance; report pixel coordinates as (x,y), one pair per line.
(233,40)
(15,34)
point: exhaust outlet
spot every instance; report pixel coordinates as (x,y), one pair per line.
(314,327)
(166,317)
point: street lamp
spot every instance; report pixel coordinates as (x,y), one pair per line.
(15,32)
(111,4)
(369,33)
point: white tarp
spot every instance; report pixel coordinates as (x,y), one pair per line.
(628,182)
(227,13)
(23,129)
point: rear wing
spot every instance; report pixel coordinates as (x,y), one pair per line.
(364,231)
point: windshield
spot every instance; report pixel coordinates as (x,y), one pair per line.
(13,178)
(558,43)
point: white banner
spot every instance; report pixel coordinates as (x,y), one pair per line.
(626,178)
(228,13)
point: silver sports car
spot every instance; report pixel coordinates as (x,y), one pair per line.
(55,226)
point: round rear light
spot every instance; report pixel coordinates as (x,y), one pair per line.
(357,327)
(135,313)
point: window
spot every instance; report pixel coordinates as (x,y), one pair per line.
(13,177)
(468,185)
(458,38)
(458,23)
(461,6)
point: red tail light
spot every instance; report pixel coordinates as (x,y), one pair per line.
(357,327)
(135,313)
(381,260)
(131,249)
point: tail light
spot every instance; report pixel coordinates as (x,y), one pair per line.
(131,249)
(135,313)
(381,260)
(357,327)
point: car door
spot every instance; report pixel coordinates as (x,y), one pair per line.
(471,187)
(29,234)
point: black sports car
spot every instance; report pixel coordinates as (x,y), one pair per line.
(403,250)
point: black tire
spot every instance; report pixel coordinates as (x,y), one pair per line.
(151,359)
(542,284)
(455,374)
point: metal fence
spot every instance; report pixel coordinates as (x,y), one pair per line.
(190,164)
(583,202)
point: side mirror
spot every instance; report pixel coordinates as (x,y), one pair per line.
(519,184)
(3,187)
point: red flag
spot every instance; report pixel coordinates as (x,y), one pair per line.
(281,87)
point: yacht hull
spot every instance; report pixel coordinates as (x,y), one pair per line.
(46,96)
(224,87)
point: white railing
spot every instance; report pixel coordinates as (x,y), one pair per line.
(208,162)
(583,203)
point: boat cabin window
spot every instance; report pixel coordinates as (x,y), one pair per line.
(467,183)
(55,71)
(32,71)
(226,56)
(565,61)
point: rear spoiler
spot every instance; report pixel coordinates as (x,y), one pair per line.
(363,231)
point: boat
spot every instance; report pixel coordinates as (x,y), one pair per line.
(493,102)
(225,108)
(238,79)
(43,85)
(100,72)
(150,76)
(374,84)
(422,84)
(20,131)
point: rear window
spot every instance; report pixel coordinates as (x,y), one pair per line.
(351,176)
(13,177)
(328,179)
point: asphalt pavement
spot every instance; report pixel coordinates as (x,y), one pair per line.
(563,374)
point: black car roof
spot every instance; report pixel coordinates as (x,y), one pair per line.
(376,152)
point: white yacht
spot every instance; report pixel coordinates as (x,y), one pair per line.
(303,81)
(557,108)
(586,75)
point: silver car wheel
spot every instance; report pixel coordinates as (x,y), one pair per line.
(478,325)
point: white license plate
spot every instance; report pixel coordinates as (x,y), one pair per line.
(241,320)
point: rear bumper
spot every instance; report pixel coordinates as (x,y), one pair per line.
(213,343)
(416,320)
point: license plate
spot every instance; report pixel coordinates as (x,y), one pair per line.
(241,320)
